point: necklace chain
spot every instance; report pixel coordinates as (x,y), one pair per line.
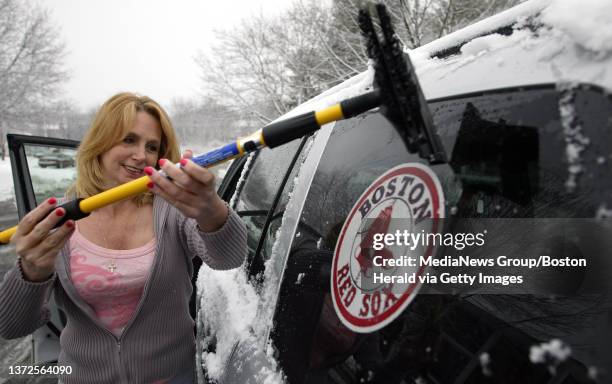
(112,266)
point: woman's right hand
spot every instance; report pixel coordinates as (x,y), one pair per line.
(37,244)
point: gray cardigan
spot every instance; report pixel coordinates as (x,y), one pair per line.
(158,342)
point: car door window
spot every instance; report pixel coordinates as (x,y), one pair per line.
(273,226)
(42,167)
(256,197)
(52,170)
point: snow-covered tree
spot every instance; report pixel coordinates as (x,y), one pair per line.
(200,122)
(31,66)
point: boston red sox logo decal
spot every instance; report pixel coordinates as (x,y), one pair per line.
(408,195)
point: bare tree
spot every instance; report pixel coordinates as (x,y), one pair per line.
(338,43)
(245,69)
(205,121)
(62,118)
(268,65)
(31,67)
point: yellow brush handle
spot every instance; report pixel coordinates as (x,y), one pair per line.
(329,114)
(113,195)
(5,236)
(100,200)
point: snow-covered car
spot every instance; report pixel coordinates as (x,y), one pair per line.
(521,103)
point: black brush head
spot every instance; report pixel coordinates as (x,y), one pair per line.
(402,100)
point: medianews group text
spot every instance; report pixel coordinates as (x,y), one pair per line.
(467,261)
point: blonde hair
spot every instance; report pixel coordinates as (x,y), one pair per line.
(110,125)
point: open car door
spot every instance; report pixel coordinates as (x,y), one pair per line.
(42,167)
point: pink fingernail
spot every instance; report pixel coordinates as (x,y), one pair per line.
(183,162)
(148,170)
(60,212)
(52,200)
(150,185)
(161,162)
(70,224)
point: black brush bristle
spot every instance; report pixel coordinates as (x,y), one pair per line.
(402,100)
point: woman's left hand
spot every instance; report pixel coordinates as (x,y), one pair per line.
(191,191)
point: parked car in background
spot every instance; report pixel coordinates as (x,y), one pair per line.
(37,152)
(56,159)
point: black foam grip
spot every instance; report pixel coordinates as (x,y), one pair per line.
(73,211)
(359,104)
(284,131)
(249,146)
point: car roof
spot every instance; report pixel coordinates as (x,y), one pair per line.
(535,42)
(556,42)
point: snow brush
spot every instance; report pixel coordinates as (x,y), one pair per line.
(396,91)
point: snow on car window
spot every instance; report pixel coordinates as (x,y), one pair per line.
(576,141)
(240,183)
(274,266)
(236,310)
(603,212)
(229,305)
(551,353)
(6,188)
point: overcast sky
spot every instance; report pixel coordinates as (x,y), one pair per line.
(141,46)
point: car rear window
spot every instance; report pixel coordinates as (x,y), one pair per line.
(536,152)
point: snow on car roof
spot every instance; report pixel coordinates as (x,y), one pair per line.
(573,44)
(482,27)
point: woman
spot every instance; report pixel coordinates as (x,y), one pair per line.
(123,274)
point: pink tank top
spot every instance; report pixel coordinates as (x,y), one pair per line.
(110,281)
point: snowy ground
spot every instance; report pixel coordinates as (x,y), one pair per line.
(6,180)
(45,180)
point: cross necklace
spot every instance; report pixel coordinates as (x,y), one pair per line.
(112,266)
